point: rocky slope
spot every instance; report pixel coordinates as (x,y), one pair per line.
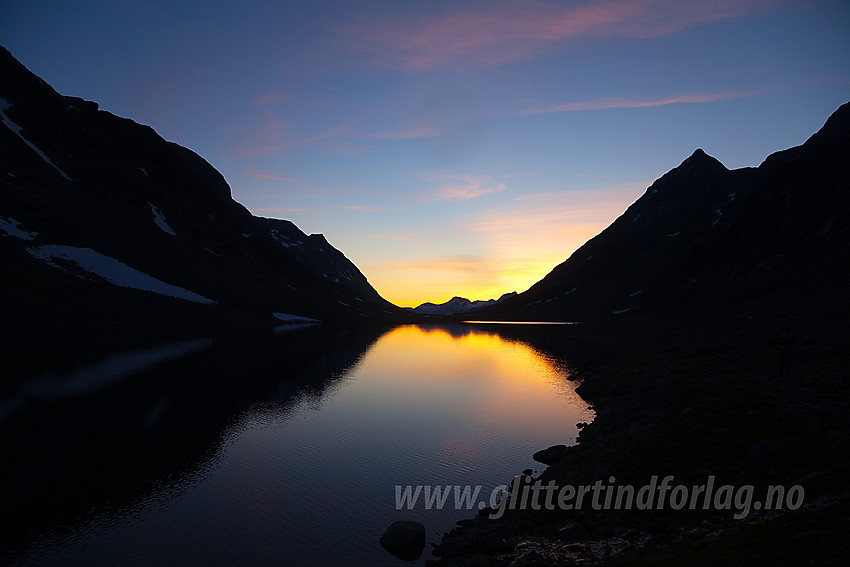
(103,220)
(714,347)
(704,237)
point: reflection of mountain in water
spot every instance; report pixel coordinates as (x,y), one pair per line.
(76,444)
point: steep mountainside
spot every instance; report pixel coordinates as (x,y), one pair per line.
(96,209)
(703,237)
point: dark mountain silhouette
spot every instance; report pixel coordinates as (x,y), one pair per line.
(714,344)
(458,305)
(96,209)
(703,237)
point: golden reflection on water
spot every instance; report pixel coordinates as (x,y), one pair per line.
(495,380)
(452,405)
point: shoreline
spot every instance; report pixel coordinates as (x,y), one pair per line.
(708,396)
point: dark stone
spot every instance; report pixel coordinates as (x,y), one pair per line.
(761,449)
(478,560)
(600,533)
(457,546)
(572,531)
(490,543)
(404,539)
(552,455)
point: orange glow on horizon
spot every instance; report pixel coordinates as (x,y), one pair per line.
(411,284)
(506,249)
(437,287)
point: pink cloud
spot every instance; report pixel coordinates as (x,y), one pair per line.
(421,131)
(332,133)
(272,136)
(513,31)
(269,136)
(279,210)
(364,208)
(266,176)
(350,149)
(559,209)
(471,188)
(269,99)
(347,131)
(605,103)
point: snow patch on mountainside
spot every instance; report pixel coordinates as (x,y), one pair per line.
(280,238)
(159,219)
(10,227)
(719,216)
(4,105)
(287,318)
(112,270)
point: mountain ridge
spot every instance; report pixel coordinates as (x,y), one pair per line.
(457,305)
(706,237)
(78,177)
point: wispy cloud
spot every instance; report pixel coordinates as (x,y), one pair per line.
(439,276)
(271,136)
(469,187)
(364,208)
(463,263)
(513,31)
(346,149)
(607,103)
(552,211)
(420,131)
(269,99)
(267,136)
(332,133)
(249,151)
(280,210)
(266,176)
(348,131)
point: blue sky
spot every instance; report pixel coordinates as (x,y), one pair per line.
(449,148)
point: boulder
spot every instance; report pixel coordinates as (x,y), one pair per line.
(404,539)
(552,455)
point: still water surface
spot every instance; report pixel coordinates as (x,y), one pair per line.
(305,474)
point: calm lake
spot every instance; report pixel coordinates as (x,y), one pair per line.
(280,449)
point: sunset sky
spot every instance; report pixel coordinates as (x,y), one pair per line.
(449,148)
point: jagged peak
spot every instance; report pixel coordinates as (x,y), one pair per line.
(702,161)
(698,164)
